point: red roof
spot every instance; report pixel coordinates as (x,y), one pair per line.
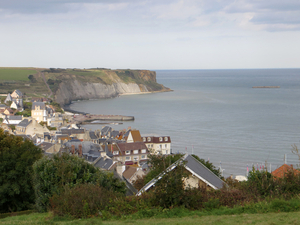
(281,171)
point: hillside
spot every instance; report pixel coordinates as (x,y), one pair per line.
(76,84)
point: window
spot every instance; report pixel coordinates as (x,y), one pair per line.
(166,145)
(144,139)
(127,158)
(144,157)
(160,139)
(135,158)
(166,138)
(143,150)
(127,152)
(135,151)
(160,146)
(116,153)
(152,146)
(149,139)
(167,152)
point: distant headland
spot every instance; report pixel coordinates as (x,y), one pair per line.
(266,87)
(67,85)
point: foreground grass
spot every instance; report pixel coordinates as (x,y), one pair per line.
(263,219)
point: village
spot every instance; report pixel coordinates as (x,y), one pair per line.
(123,152)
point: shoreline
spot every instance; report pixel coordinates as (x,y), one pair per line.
(87,118)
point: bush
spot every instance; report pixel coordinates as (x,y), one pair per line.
(52,176)
(83,201)
(16,159)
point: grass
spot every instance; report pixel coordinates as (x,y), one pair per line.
(16,74)
(263,219)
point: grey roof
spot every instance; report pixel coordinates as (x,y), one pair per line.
(114,133)
(40,104)
(104,163)
(86,145)
(105,130)
(72,131)
(8,98)
(15,117)
(24,136)
(201,170)
(24,123)
(45,145)
(3,106)
(193,166)
(18,92)
(92,135)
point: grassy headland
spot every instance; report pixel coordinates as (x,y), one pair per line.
(31,81)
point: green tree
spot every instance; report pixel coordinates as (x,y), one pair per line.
(158,164)
(53,175)
(16,159)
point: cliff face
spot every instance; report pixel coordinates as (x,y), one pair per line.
(135,82)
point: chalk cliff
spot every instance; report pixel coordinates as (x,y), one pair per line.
(112,84)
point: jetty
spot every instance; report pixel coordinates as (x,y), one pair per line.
(266,87)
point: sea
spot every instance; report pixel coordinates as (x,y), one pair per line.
(217,115)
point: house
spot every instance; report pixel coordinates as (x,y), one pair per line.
(129,153)
(198,175)
(31,127)
(12,120)
(158,145)
(17,94)
(8,111)
(131,173)
(105,163)
(56,120)
(39,112)
(8,98)
(134,136)
(281,171)
(3,107)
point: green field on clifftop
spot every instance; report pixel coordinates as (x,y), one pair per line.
(16,74)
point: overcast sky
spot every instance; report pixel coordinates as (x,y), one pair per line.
(150,34)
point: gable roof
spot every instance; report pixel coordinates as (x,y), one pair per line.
(104,163)
(281,171)
(40,104)
(136,136)
(193,166)
(18,92)
(129,172)
(131,146)
(24,123)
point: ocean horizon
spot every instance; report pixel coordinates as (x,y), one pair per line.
(217,115)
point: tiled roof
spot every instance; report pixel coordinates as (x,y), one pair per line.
(161,139)
(104,163)
(72,131)
(129,172)
(131,146)
(281,171)
(24,123)
(40,104)
(136,136)
(45,145)
(15,117)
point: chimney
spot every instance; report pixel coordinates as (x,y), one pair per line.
(73,149)
(80,150)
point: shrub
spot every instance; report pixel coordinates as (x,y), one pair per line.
(52,176)
(83,201)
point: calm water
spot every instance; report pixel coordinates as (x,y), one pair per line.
(218,115)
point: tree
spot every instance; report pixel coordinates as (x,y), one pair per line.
(16,159)
(158,163)
(53,175)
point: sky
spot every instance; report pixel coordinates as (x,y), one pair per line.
(150,34)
